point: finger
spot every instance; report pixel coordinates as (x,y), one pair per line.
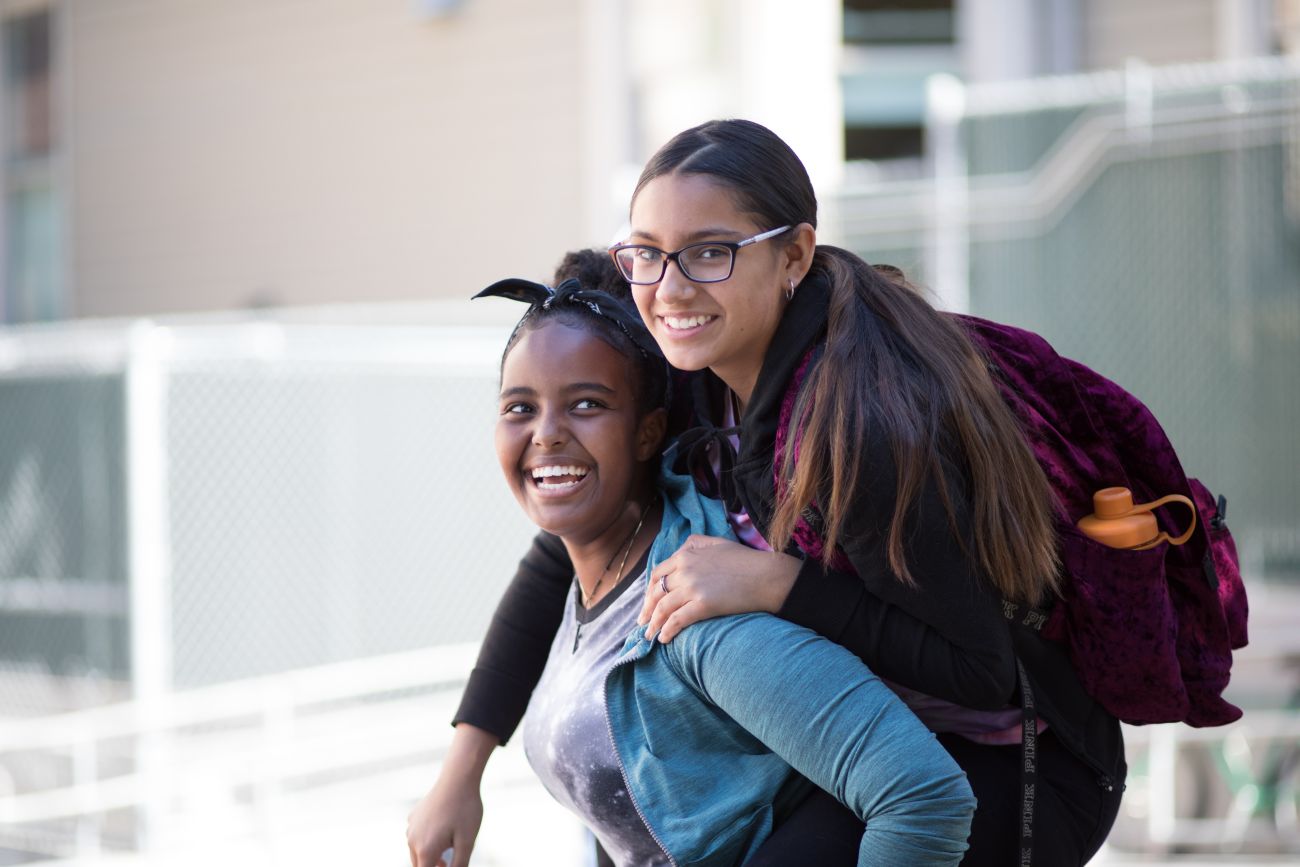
(686,614)
(661,606)
(667,566)
(415,859)
(462,854)
(654,591)
(664,609)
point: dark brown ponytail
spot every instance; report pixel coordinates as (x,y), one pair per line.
(892,360)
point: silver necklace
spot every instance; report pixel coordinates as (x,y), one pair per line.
(586,597)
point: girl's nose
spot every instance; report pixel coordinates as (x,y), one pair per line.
(674,285)
(549,431)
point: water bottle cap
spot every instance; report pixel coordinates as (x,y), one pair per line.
(1112,502)
(1120,524)
(1117,523)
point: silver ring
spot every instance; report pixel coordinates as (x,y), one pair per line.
(663,583)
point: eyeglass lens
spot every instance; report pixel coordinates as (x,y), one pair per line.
(703,263)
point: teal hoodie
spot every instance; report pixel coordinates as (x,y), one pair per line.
(722,729)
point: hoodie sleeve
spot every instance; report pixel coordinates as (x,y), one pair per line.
(831,719)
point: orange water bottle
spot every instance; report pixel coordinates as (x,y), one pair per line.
(1120,524)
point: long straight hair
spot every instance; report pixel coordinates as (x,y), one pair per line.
(893,362)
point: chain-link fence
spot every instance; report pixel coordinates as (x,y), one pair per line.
(1147,223)
(63,555)
(281,495)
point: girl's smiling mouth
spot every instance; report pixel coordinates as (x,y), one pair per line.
(683,325)
(557,479)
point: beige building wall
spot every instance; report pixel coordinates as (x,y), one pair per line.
(1288,25)
(291,152)
(1156,31)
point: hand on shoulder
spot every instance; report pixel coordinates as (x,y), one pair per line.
(711,577)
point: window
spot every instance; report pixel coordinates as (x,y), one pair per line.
(890,48)
(32,286)
(879,22)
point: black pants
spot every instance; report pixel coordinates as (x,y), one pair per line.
(1072,813)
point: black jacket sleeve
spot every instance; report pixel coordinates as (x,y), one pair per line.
(946,635)
(518,640)
(896,645)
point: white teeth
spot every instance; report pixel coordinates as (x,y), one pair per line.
(548,472)
(542,483)
(683,322)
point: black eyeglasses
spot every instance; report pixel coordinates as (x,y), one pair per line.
(707,262)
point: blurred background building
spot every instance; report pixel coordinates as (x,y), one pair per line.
(250,523)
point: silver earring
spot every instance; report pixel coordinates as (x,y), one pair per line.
(790,294)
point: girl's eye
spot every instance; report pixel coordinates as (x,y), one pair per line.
(648,254)
(517,408)
(589,403)
(705,254)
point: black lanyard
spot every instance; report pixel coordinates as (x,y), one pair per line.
(1028,767)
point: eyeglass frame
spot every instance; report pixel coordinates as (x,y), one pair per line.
(733,246)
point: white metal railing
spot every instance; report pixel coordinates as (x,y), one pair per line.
(380,555)
(1026,204)
(261,735)
(1078,90)
(1035,198)
(1264,749)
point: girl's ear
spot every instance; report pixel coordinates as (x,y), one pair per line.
(797,255)
(650,434)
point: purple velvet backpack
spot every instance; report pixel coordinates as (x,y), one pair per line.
(1150,633)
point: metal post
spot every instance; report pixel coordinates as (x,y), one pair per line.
(277,735)
(1139,101)
(85,780)
(149,566)
(5,288)
(1162,757)
(949,248)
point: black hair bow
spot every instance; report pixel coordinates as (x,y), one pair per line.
(539,296)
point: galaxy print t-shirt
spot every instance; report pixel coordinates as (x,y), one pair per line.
(566,737)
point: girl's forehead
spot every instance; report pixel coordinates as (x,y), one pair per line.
(560,335)
(557,350)
(681,201)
